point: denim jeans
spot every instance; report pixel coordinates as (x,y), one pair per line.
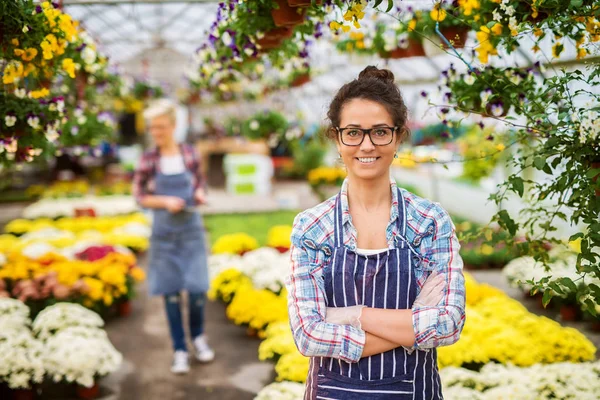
(196,317)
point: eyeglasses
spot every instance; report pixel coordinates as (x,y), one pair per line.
(380,136)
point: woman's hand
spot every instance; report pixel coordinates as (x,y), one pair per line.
(432,291)
(344,315)
(174,204)
(200,196)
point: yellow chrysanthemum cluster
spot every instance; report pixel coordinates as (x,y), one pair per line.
(79,224)
(326,176)
(225,285)
(257,308)
(500,329)
(103,280)
(77,188)
(235,243)
(279,236)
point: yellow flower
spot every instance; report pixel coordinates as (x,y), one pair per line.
(438,14)
(575,245)
(487,250)
(279,236)
(412,24)
(356,24)
(334,26)
(95,288)
(12,73)
(236,243)
(557,49)
(69,67)
(497,29)
(345,28)
(15,42)
(36,94)
(137,274)
(30,54)
(469,5)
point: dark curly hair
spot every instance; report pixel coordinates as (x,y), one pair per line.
(376,85)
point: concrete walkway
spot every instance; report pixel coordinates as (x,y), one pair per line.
(143,338)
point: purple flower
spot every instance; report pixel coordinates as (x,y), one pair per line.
(445,110)
(423,93)
(481,124)
(445,134)
(38,9)
(490,138)
(81,47)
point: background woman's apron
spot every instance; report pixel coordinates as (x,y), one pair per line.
(178,259)
(384,280)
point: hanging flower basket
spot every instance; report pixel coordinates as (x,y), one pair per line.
(90,393)
(273,38)
(300,80)
(414,49)
(23,394)
(285,15)
(303,3)
(457,35)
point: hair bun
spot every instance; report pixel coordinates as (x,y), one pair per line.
(373,72)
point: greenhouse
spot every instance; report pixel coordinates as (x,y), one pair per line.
(299,199)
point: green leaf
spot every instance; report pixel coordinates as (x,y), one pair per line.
(593,172)
(539,162)
(556,287)
(576,3)
(576,236)
(546,297)
(377,3)
(568,283)
(518,186)
(507,222)
(390,6)
(595,289)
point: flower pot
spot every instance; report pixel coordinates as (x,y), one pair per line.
(274,38)
(23,394)
(569,312)
(88,393)
(282,249)
(300,80)
(302,3)
(124,308)
(286,15)
(457,35)
(595,326)
(414,49)
(85,212)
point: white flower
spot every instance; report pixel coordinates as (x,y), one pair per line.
(485,95)
(61,316)
(281,391)
(34,122)
(469,79)
(20,93)
(510,11)
(496,15)
(88,55)
(10,120)
(25,29)
(226,38)
(254,125)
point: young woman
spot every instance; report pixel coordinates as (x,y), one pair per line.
(376,282)
(168,180)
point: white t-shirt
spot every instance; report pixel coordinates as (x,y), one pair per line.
(369,252)
(171,165)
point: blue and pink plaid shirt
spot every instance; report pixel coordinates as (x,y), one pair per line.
(430,232)
(143,179)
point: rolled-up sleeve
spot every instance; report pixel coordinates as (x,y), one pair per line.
(442,325)
(306,306)
(140,179)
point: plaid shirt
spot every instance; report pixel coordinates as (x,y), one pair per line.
(432,238)
(143,179)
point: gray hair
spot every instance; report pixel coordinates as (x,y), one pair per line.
(160,107)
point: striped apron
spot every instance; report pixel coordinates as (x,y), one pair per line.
(384,280)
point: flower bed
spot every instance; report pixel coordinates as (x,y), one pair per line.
(66,207)
(66,344)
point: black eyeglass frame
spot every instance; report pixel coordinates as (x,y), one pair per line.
(366,132)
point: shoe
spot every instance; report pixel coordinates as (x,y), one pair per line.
(203,351)
(181,362)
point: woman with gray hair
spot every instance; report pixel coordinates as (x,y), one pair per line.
(168,180)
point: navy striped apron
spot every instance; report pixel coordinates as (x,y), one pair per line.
(383,280)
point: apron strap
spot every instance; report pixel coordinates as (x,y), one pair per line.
(338,237)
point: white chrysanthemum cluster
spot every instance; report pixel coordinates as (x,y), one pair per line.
(540,381)
(282,391)
(54,319)
(265,266)
(103,206)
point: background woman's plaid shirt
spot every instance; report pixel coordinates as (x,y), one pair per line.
(432,238)
(143,179)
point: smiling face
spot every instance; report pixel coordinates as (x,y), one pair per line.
(162,128)
(366,161)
